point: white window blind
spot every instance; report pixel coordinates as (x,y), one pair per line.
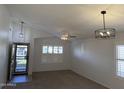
(45,49)
(60,50)
(52,54)
(55,49)
(120,60)
(52,49)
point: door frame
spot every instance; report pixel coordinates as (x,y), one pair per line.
(10,74)
(27,65)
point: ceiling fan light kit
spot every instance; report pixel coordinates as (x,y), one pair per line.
(65,36)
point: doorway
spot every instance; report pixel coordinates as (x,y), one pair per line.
(19,57)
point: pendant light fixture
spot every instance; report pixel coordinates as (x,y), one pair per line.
(21,34)
(105,33)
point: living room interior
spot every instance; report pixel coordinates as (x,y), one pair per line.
(61,46)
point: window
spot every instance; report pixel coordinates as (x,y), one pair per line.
(21,50)
(120,60)
(52,54)
(52,49)
(55,49)
(60,50)
(44,50)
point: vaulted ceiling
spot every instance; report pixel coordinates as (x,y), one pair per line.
(80,20)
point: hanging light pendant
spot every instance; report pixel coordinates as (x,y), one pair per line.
(105,33)
(21,34)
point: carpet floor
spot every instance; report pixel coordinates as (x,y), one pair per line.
(65,79)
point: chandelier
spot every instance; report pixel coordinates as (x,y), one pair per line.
(105,33)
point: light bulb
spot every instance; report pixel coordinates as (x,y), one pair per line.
(108,32)
(64,38)
(101,33)
(21,35)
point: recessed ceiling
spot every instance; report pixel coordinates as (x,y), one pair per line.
(76,19)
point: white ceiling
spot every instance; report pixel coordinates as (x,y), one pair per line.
(76,19)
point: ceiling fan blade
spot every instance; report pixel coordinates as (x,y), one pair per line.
(73,36)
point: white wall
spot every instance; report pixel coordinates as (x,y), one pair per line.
(4,29)
(95,59)
(35,37)
(53,63)
(30,33)
(35,34)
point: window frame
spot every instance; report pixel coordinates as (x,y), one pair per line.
(53,53)
(59,50)
(117,59)
(49,50)
(56,50)
(43,49)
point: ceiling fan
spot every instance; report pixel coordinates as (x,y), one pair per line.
(67,36)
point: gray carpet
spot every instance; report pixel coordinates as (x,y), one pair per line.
(57,80)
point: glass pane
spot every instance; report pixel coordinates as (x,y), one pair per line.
(50,49)
(21,50)
(55,49)
(45,50)
(120,52)
(60,50)
(120,68)
(21,58)
(21,64)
